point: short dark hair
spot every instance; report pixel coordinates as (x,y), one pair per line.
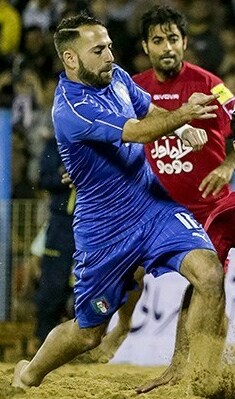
(67,30)
(161,15)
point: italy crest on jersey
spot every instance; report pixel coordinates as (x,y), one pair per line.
(100,305)
(122,92)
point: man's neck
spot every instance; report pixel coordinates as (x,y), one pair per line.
(165,76)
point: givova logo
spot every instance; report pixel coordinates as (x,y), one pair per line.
(166,96)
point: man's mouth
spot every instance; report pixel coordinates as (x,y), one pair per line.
(109,69)
(167,58)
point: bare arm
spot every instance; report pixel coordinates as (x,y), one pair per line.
(218,177)
(160,122)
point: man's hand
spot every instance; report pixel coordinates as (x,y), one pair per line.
(214,182)
(195,138)
(66,180)
(198,106)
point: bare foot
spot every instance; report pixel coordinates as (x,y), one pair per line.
(168,377)
(16,382)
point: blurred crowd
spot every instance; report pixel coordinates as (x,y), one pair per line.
(29,67)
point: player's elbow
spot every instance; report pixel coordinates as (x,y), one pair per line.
(132,132)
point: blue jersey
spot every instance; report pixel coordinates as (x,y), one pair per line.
(116,191)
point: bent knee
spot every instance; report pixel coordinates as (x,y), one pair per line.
(204,270)
(92,336)
(92,342)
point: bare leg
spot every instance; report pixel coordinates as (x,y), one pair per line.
(62,344)
(205,316)
(175,371)
(113,340)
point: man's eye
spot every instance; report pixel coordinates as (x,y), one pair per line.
(157,41)
(98,51)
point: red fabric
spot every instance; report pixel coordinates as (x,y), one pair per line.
(220,226)
(179,169)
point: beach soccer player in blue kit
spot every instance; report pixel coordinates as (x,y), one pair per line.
(123,218)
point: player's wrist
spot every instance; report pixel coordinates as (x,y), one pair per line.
(179,132)
(183,115)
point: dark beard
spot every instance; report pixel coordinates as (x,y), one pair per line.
(168,74)
(90,78)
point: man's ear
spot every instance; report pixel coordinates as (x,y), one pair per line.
(145,47)
(70,58)
(185,43)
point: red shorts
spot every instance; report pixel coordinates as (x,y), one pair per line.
(220,227)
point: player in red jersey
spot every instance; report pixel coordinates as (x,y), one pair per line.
(199,180)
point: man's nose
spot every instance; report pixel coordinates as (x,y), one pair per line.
(109,56)
(167,45)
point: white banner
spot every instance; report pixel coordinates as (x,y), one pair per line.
(151,341)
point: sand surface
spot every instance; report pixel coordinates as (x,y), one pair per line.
(103,381)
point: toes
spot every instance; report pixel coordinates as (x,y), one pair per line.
(16,382)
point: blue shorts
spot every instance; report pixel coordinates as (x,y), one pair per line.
(103,277)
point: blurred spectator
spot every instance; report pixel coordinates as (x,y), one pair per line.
(42,13)
(21,185)
(191,56)
(6,83)
(73,7)
(29,111)
(99,9)
(140,62)
(135,17)
(54,289)
(229,80)
(119,15)
(229,11)
(202,36)
(35,53)
(10,28)
(19,4)
(41,127)
(28,94)
(228,40)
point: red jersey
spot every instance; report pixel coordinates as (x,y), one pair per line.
(220,226)
(179,169)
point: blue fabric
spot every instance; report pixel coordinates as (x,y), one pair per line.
(103,277)
(116,191)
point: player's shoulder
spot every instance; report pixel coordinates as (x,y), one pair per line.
(120,74)
(68,95)
(143,76)
(200,73)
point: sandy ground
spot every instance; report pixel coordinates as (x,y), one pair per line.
(103,381)
(89,382)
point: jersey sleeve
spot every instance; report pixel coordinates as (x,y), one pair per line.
(226,100)
(140,98)
(88,120)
